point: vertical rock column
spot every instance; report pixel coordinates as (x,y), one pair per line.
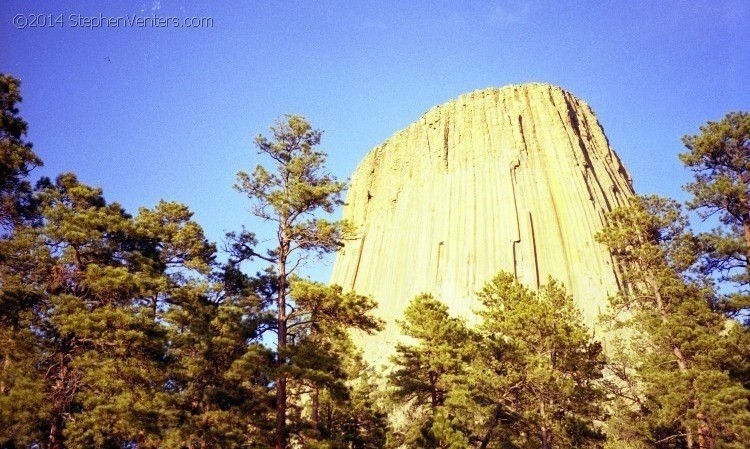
(515,179)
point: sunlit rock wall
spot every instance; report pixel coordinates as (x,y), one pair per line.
(516,179)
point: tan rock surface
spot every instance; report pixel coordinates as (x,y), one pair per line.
(515,179)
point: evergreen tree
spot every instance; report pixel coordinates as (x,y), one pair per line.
(88,285)
(23,404)
(535,378)
(122,331)
(291,196)
(528,376)
(321,352)
(425,369)
(343,405)
(675,389)
(360,421)
(17,158)
(719,157)
(219,370)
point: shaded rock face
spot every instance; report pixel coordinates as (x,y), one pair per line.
(515,179)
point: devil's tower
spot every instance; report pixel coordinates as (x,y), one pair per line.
(514,179)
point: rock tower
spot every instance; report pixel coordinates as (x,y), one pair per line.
(515,179)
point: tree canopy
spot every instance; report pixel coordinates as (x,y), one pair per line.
(122,330)
(526,376)
(718,158)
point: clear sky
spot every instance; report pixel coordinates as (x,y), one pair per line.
(163,112)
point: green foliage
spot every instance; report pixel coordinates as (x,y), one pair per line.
(124,331)
(23,405)
(528,373)
(293,192)
(99,350)
(718,157)
(423,369)
(424,372)
(219,374)
(673,370)
(311,320)
(113,333)
(324,368)
(17,158)
(538,369)
(351,417)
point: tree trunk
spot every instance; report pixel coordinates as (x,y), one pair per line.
(6,360)
(493,424)
(155,305)
(433,392)
(281,353)
(545,436)
(59,394)
(545,432)
(55,433)
(315,405)
(746,229)
(705,439)
(329,419)
(681,362)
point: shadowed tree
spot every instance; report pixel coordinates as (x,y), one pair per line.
(22,403)
(17,158)
(221,393)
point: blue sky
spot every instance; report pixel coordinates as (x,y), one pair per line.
(149,113)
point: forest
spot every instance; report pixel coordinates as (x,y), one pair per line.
(131,330)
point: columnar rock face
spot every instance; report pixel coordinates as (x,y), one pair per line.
(515,179)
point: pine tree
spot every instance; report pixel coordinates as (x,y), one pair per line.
(22,402)
(425,369)
(675,389)
(528,375)
(89,285)
(122,331)
(219,380)
(718,157)
(321,352)
(339,406)
(17,158)
(290,196)
(360,420)
(535,378)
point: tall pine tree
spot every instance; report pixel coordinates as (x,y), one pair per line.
(291,196)
(676,390)
(720,160)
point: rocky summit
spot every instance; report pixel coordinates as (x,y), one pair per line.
(517,179)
